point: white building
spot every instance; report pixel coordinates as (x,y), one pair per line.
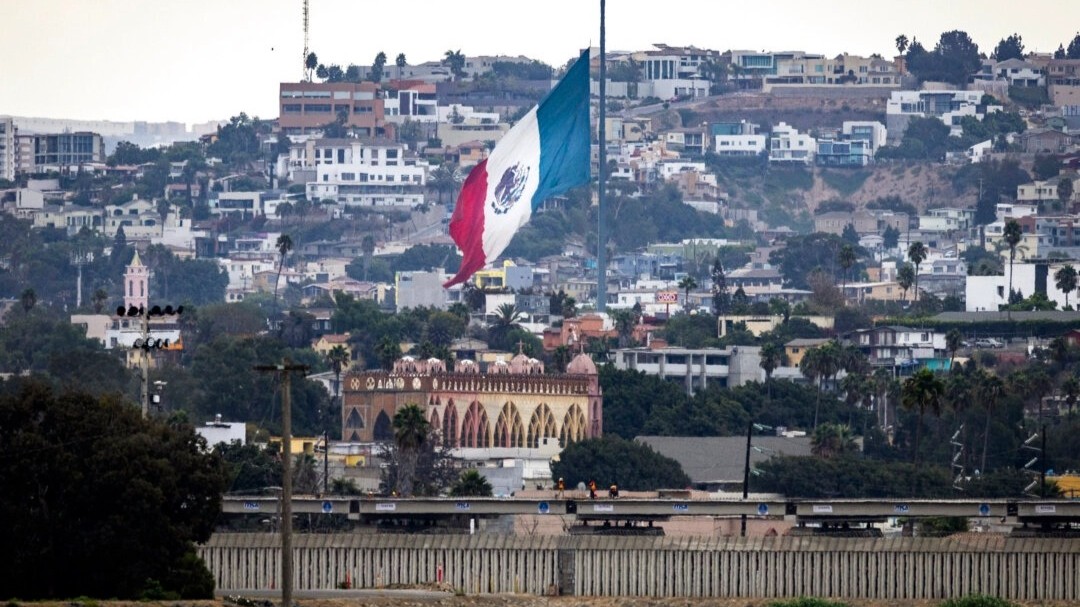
(866,130)
(947,106)
(738,139)
(372,176)
(787,145)
(986,293)
(946,220)
(696,368)
(218,432)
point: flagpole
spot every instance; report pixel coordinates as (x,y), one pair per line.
(601,253)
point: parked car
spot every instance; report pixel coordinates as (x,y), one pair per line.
(988,342)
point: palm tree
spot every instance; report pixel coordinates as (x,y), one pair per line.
(832,440)
(901,45)
(28,299)
(471,484)
(456,62)
(99,299)
(812,367)
(1012,235)
(401,63)
(772,356)
(953,340)
(686,284)
(284,210)
(1065,279)
(1070,388)
(922,392)
(847,259)
(387,350)
(917,253)
(882,380)
(338,358)
(284,244)
(311,62)
(624,325)
(990,388)
(367,245)
(410,435)
(905,277)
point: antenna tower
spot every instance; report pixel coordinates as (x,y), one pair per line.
(303,60)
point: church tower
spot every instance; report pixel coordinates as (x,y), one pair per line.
(136,284)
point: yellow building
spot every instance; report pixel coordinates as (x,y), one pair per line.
(796,349)
(495,278)
(328,342)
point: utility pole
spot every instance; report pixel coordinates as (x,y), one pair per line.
(746,474)
(284,370)
(601,253)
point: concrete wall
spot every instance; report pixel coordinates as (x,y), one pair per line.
(877,569)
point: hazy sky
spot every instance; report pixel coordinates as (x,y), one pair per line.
(198,60)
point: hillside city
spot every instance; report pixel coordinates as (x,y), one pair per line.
(869,264)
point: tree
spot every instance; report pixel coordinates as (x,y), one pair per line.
(1046,166)
(284,244)
(687,283)
(953,340)
(60,502)
(410,433)
(251,468)
(1065,279)
(387,350)
(901,43)
(954,59)
(378,67)
(990,388)
(1009,48)
(1065,192)
(28,298)
(720,295)
(338,359)
(833,440)
(401,63)
(456,62)
(1073,52)
(846,259)
(1070,389)
(311,62)
(772,356)
(99,299)
(608,460)
(1012,236)
(917,253)
(471,484)
(922,392)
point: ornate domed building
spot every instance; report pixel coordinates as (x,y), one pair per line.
(513,404)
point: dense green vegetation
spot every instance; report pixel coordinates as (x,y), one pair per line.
(98,501)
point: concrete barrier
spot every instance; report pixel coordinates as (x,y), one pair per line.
(876,569)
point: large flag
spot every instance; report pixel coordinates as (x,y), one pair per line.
(544,154)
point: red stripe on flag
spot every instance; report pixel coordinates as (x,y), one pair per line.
(467,224)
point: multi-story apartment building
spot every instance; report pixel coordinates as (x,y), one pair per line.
(901,348)
(7,148)
(1063,81)
(368,174)
(843,153)
(1037,191)
(696,369)
(307,107)
(844,69)
(946,220)
(61,152)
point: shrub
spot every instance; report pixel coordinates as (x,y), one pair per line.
(978,600)
(807,602)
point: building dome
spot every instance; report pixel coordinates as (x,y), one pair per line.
(582,365)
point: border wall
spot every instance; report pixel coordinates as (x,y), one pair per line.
(771,567)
